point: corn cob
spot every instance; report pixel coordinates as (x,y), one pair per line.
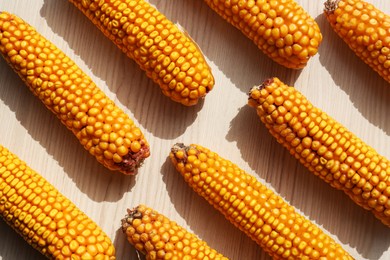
(283,30)
(167,55)
(253,208)
(365,29)
(324,146)
(101,127)
(160,238)
(46,219)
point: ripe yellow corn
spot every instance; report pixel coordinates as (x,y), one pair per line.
(365,29)
(101,127)
(160,238)
(46,219)
(324,146)
(253,208)
(160,48)
(283,30)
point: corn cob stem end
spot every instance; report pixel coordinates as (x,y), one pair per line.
(132,214)
(254,92)
(265,83)
(179,152)
(132,161)
(330,5)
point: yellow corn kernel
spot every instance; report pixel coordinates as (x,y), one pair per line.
(47,228)
(365,29)
(283,30)
(72,96)
(334,154)
(253,208)
(166,53)
(142,226)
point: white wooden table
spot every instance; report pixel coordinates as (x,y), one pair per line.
(334,80)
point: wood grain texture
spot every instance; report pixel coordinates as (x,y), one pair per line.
(334,80)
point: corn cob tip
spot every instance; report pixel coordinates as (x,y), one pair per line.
(254,92)
(132,161)
(330,5)
(179,152)
(129,218)
(265,83)
(178,146)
